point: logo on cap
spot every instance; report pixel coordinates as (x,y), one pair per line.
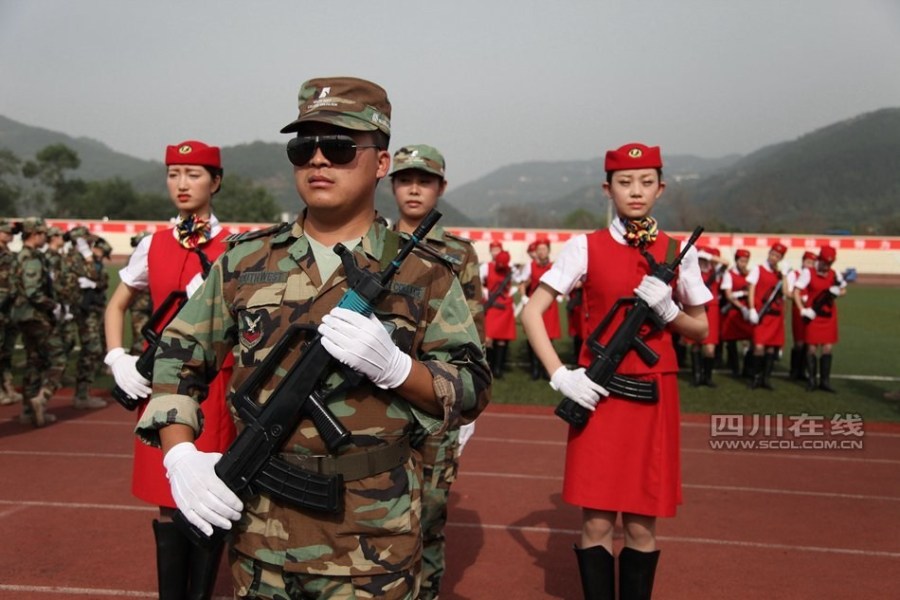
(635,153)
(325,91)
(184,149)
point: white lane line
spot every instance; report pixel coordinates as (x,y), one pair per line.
(63,454)
(691,540)
(700,486)
(79,591)
(88,505)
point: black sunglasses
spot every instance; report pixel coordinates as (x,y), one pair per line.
(338,149)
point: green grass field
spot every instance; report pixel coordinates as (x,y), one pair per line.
(866,365)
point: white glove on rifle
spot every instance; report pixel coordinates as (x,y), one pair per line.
(577,386)
(199,494)
(83,248)
(363,344)
(835,290)
(745,312)
(754,316)
(87,284)
(808,313)
(58,312)
(124,371)
(465,433)
(658,295)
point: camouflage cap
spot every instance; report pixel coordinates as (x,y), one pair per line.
(6,226)
(421,157)
(136,238)
(54,231)
(343,101)
(33,225)
(79,232)
(103,245)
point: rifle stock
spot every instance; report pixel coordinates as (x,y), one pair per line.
(300,394)
(607,359)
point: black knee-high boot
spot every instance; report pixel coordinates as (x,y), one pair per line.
(707,367)
(499,360)
(696,377)
(733,360)
(598,573)
(749,362)
(755,368)
(172,560)
(797,362)
(636,573)
(533,363)
(825,373)
(204,570)
(768,366)
(811,365)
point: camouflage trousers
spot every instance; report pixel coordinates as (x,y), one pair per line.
(90,360)
(439,467)
(9,331)
(259,580)
(45,358)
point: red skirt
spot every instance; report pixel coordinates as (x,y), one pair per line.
(735,327)
(628,456)
(500,322)
(823,330)
(148,477)
(798,327)
(769,331)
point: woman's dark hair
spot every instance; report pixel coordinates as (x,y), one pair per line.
(609,175)
(16,227)
(216,172)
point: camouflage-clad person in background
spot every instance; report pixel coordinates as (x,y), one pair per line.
(66,288)
(102,251)
(8,331)
(88,312)
(36,311)
(425,373)
(418,181)
(140,309)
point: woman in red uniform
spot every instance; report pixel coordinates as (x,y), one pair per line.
(499,318)
(703,355)
(768,324)
(168,261)
(798,326)
(539,265)
(626,459)
(814,294)
(735,324)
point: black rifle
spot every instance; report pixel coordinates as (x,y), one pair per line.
(152,332)
(820,302)
(250,465)
(774,295)
(498,291)
(607,359)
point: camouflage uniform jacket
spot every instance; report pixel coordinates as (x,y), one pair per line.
(7,285)
(255,291)
(65,281)
(77,266)
(35,297)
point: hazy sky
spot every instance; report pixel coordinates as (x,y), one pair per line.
(490,83)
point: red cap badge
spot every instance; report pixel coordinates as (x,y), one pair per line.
(633,156)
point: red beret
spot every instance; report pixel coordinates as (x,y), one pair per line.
(809,255)
(633,156)
(532,246)
(715,251)
(779,248)
(193,152)
(496,245)
(502,259)
(741,253)
(827,254)
(543,241)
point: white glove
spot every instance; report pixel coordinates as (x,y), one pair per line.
(465,432)
(124,371)
(199,494)
(58,311)
(86,284)
(658,295)
(744,312)
(363,344)
(83,248)
(67,316)
(808,313)
(193,285)
(754,316)
(577,386)
(835,290)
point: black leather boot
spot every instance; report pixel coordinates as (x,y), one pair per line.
(696,378)
(733,359)
(636,573)
(534,364)
(707,368)
(796,362)
(755,369)
(172,560)
(598,573)
(749,362)
(825,373)
(203,571)
(811,365)
(768,366)
(499,361)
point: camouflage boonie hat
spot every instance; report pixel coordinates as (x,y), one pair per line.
(33,225)
(6,226)
(136,238)
(421,157)
(79,232)
(52,231)
(104,246)
(343,101)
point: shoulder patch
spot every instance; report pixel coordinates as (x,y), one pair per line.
(433,253)
(237,238)
(458,238)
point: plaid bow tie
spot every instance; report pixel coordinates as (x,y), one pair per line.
(640,232)
(193,232)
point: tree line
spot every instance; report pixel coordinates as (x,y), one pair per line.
(43,186)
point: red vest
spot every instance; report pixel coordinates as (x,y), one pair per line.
(537,271)
(818,285)
(614,270)
(764,286)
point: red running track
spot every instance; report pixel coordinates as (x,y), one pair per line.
(755,524)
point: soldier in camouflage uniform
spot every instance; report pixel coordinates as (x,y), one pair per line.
(8,331)
(140,309)
(37,311)
(88,312)
(66,288)
(418,181)
(427,372)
